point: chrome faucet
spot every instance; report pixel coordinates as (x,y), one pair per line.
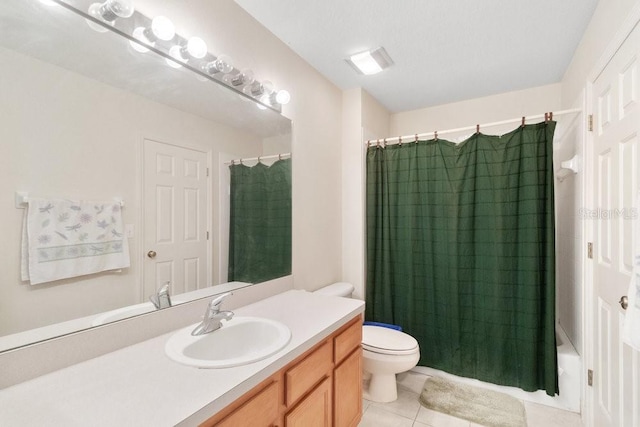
(161,299)
(213,316)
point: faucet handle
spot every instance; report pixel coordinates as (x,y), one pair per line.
(161,299)
(164,289)
(217,302)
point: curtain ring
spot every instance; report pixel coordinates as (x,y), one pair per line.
(241,162)
(377,143)
(258,159)
(369,143)
(400,141)
(435,135)
(523,119)
(416,138)
(280,156)
(546,117)
(477,129)
(233,162)
(551,116)
(384,143)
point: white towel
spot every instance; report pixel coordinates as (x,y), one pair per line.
(65,238)
(631,326)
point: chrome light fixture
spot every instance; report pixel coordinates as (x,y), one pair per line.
(371,61)
(257,89)
(158,34)
(244,77)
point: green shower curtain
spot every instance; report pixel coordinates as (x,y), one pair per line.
(460,253)
(260,222)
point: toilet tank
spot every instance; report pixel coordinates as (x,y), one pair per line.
(340,289)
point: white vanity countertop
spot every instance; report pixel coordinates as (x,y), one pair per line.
(140,386)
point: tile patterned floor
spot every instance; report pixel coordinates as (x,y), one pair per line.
(408,412)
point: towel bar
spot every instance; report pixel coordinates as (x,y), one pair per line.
(22,200)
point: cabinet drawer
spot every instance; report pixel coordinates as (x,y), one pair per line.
(260,411)
(347,341)
(307,373)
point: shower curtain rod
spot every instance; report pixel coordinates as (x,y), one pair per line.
(259,158)
(415,137)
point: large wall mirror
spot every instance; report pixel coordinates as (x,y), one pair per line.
(84,116)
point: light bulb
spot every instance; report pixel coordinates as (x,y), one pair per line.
(266,100)
(245,77)
(161,28)
(108,12)
(267,86)
(138,34)
(111,10)
(174,52)
(196,47)
(222,64)
(283,97)
(94,12)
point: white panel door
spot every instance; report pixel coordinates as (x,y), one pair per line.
(175,218)
(615,165)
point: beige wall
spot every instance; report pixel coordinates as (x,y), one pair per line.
(362,118)
(488,109)
(604,24)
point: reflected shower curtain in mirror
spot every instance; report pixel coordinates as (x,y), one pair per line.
(260,222)
(460,253)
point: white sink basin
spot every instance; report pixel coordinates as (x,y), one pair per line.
(240,341)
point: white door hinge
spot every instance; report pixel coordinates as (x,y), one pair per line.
(590,250)
(590,377)
(590,122)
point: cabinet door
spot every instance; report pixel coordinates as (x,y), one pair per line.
(308,372)
(314,410)
(347,386)
(259,411)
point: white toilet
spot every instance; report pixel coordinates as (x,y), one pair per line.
(385,352)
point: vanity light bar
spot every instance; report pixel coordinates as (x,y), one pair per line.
(158,34)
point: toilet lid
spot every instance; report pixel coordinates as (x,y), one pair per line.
(387,341)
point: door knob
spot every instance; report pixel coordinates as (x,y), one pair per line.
(624,302)
(151,254)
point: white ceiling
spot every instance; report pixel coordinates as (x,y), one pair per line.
(444,50)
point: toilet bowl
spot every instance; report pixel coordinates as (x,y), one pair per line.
(385,352)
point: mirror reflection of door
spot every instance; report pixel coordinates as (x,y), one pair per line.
(175,218)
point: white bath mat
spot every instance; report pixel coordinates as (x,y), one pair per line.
(484,407)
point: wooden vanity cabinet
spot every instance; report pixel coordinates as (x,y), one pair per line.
(322,388)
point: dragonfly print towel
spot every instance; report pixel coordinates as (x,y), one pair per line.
(65,238)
